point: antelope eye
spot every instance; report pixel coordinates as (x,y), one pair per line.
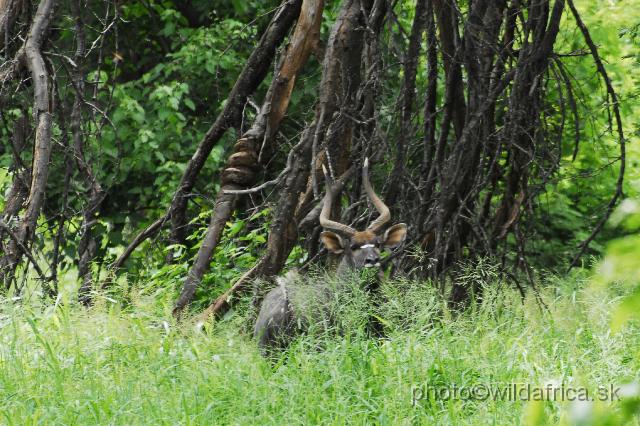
(354,247)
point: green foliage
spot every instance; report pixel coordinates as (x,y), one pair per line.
(242,243)
(157,118)
(5,183)
(618,274)
(575,201)
(124,361)
(621,267)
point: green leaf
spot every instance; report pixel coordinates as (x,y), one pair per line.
(189,104)
(627,310)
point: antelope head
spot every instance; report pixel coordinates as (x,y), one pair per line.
(359,249)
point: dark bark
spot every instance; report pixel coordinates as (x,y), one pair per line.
(9,12)
(95,193)
(447,18)
(407,98)
(431,98)
(17,194)
(22,174)
(42,108)
(51,289)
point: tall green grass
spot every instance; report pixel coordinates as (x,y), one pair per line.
(131,364)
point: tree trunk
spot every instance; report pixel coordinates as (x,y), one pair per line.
(95,193)
(407,98)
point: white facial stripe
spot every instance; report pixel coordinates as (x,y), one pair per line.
(367,246)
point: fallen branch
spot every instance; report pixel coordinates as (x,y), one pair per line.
(240,171)
(223,302)
(254,71)
(148,232)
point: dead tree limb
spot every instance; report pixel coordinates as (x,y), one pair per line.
(250,77)
(243,165)
(338,89)
(42,111)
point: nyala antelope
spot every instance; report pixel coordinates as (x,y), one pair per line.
(277,319)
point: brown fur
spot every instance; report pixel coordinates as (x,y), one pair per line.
(364,237)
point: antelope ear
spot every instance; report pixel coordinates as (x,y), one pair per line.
(332,242)
(394,236)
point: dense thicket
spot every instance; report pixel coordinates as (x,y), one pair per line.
(185,140)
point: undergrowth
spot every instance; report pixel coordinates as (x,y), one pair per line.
(131,364)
